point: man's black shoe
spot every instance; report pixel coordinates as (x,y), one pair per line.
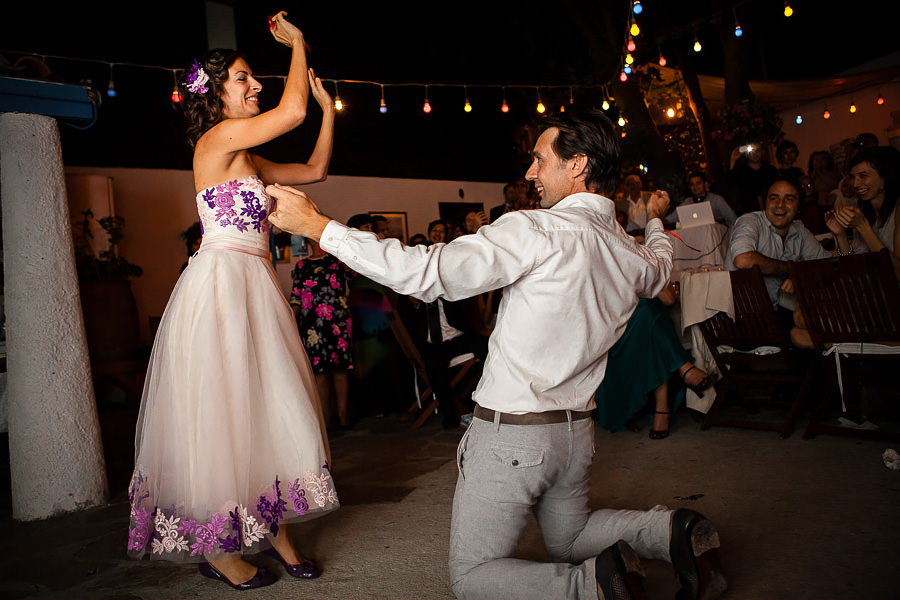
(619,573)
(692,548)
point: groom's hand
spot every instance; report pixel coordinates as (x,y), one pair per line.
(296,213)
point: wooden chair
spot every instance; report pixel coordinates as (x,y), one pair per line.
(754,354)
(851,306)
(426,403)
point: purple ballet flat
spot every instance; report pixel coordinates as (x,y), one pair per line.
(262,578)
(304,570)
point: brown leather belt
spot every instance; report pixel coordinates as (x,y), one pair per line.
(539,418)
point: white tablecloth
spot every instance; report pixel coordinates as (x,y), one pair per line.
(700,246)
(703,293)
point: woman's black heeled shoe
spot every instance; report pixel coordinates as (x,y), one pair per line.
(658,434)
(262,578)
(304,570)
(701,387)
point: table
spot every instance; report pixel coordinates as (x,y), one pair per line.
(699,246)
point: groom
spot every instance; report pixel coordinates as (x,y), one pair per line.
(571,279)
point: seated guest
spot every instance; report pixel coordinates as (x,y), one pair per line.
(442,331)
(474,220)
(634,204)
(771,238)
(418,239)
(749,176)
(697,182)
(437,232)
(786,154)
(515,196)
(639,367)
(875,174)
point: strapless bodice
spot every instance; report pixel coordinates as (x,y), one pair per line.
(236,212)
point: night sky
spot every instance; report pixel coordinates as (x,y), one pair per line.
(483,44)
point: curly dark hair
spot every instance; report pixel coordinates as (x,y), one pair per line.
(203,111)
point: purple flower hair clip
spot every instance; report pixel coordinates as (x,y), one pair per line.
(196,79)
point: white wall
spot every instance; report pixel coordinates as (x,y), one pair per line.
(159,204)
(817,133)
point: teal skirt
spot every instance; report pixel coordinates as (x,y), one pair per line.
(646,356)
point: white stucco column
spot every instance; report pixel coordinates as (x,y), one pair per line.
(56,454)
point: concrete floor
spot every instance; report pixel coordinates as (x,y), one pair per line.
(798,518)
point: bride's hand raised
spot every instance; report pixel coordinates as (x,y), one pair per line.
(283,30)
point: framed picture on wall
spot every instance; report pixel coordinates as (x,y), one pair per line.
(396,221)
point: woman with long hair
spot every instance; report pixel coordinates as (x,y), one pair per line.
(231,443)
(875,173)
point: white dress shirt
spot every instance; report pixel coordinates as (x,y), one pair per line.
(572,278)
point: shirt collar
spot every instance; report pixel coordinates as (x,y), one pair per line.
(793,229)
(596,202)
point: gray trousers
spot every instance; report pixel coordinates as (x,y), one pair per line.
(508,471)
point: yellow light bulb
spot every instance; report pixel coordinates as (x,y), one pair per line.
(852,108)
(541,108)
(338,105)
(670,113)
(629,59)
(468,107)
(621,121)
(605,104)
(697,46)
(788,11)
(635,30)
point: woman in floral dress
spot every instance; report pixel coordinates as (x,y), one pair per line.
(319,301)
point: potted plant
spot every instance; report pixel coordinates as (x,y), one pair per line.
(108,304)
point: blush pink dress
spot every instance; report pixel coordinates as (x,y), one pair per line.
(229,443)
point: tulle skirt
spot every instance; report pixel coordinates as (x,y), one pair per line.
(229,437)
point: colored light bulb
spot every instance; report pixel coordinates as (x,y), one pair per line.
(637,8)
(504,107)
(541,108)
(176,95)
(662,60)
(468,107)
(338,104)
(426,108)
(605,105)
(635,30)
(383,108)
(631,46)
(623,76)
(738,32)
(799,119)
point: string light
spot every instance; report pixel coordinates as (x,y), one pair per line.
(799,119)
(622,121)
(637,8)
(111,90)
(827,113)
(670,112)
(338,104)
(662,59)
(605,105)
(467,107)
(383,108)
(880,99)
(852,107)
(571,95)
(504,108)
(788,11)
(631,46)
(540,105)
(635,30)
(176,92)
(426,108)
(629,59)
(697,46)
(627,69)
(623,76)
(738,32)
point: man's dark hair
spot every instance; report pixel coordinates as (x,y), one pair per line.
(437,222)
(360,219)
(791,181)
(783,147)
(590,134)
(699,174)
